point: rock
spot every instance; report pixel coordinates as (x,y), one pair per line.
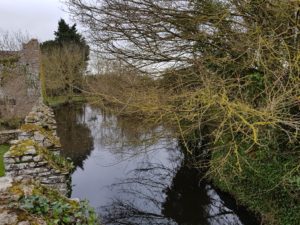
(24,135)
(13,142)
(47,143)
(13,174)
(30,150)
(23,178)
(24,223)
(75,199)
(45,174)
(37,170)
(42,163)
(37,158)
(38,136)
(20,166)
(8,218)
(5,182)
(26,158)
(7,155)
(8,160)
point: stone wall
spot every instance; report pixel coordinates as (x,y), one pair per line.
(8,135)
(36,151)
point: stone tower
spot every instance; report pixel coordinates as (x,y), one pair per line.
(30,62)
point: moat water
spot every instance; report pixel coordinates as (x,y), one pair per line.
(138,184)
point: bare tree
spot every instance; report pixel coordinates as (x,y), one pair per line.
(185,32)
(63,69)
(12,41)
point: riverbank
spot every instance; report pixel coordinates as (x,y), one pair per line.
(267,186)
(60,100)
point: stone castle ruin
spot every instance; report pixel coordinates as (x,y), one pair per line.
(19,80)
(35,147)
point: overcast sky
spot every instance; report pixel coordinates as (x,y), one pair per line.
(37,17)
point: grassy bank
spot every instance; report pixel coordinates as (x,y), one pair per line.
(268,184)
(60,100)
(3,150)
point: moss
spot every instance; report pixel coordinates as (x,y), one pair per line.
(54,161)
(3,150)
(21,148)
(16,190)
(48,134)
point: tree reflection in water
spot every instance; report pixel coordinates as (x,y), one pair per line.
(155,194)
(74,134)
(123,136)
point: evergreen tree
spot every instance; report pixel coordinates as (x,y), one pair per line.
(66,35)
(64,60)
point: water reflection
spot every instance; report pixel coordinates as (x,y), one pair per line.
(74,134)
(132,183)
(147,198)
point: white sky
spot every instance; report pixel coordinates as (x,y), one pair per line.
(39,18)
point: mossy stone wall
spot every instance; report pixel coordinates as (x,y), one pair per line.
(36,151)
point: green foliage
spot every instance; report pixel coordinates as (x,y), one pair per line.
(266,180)
(56,209)
(21,147)
(48,134)
(55,161)
(3,150)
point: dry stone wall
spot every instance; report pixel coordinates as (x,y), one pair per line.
(36,151)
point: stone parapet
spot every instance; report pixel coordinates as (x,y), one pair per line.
(36,151)
(36,165)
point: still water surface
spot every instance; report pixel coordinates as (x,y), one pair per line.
(132,183)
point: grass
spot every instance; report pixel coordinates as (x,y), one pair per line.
(3,150)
